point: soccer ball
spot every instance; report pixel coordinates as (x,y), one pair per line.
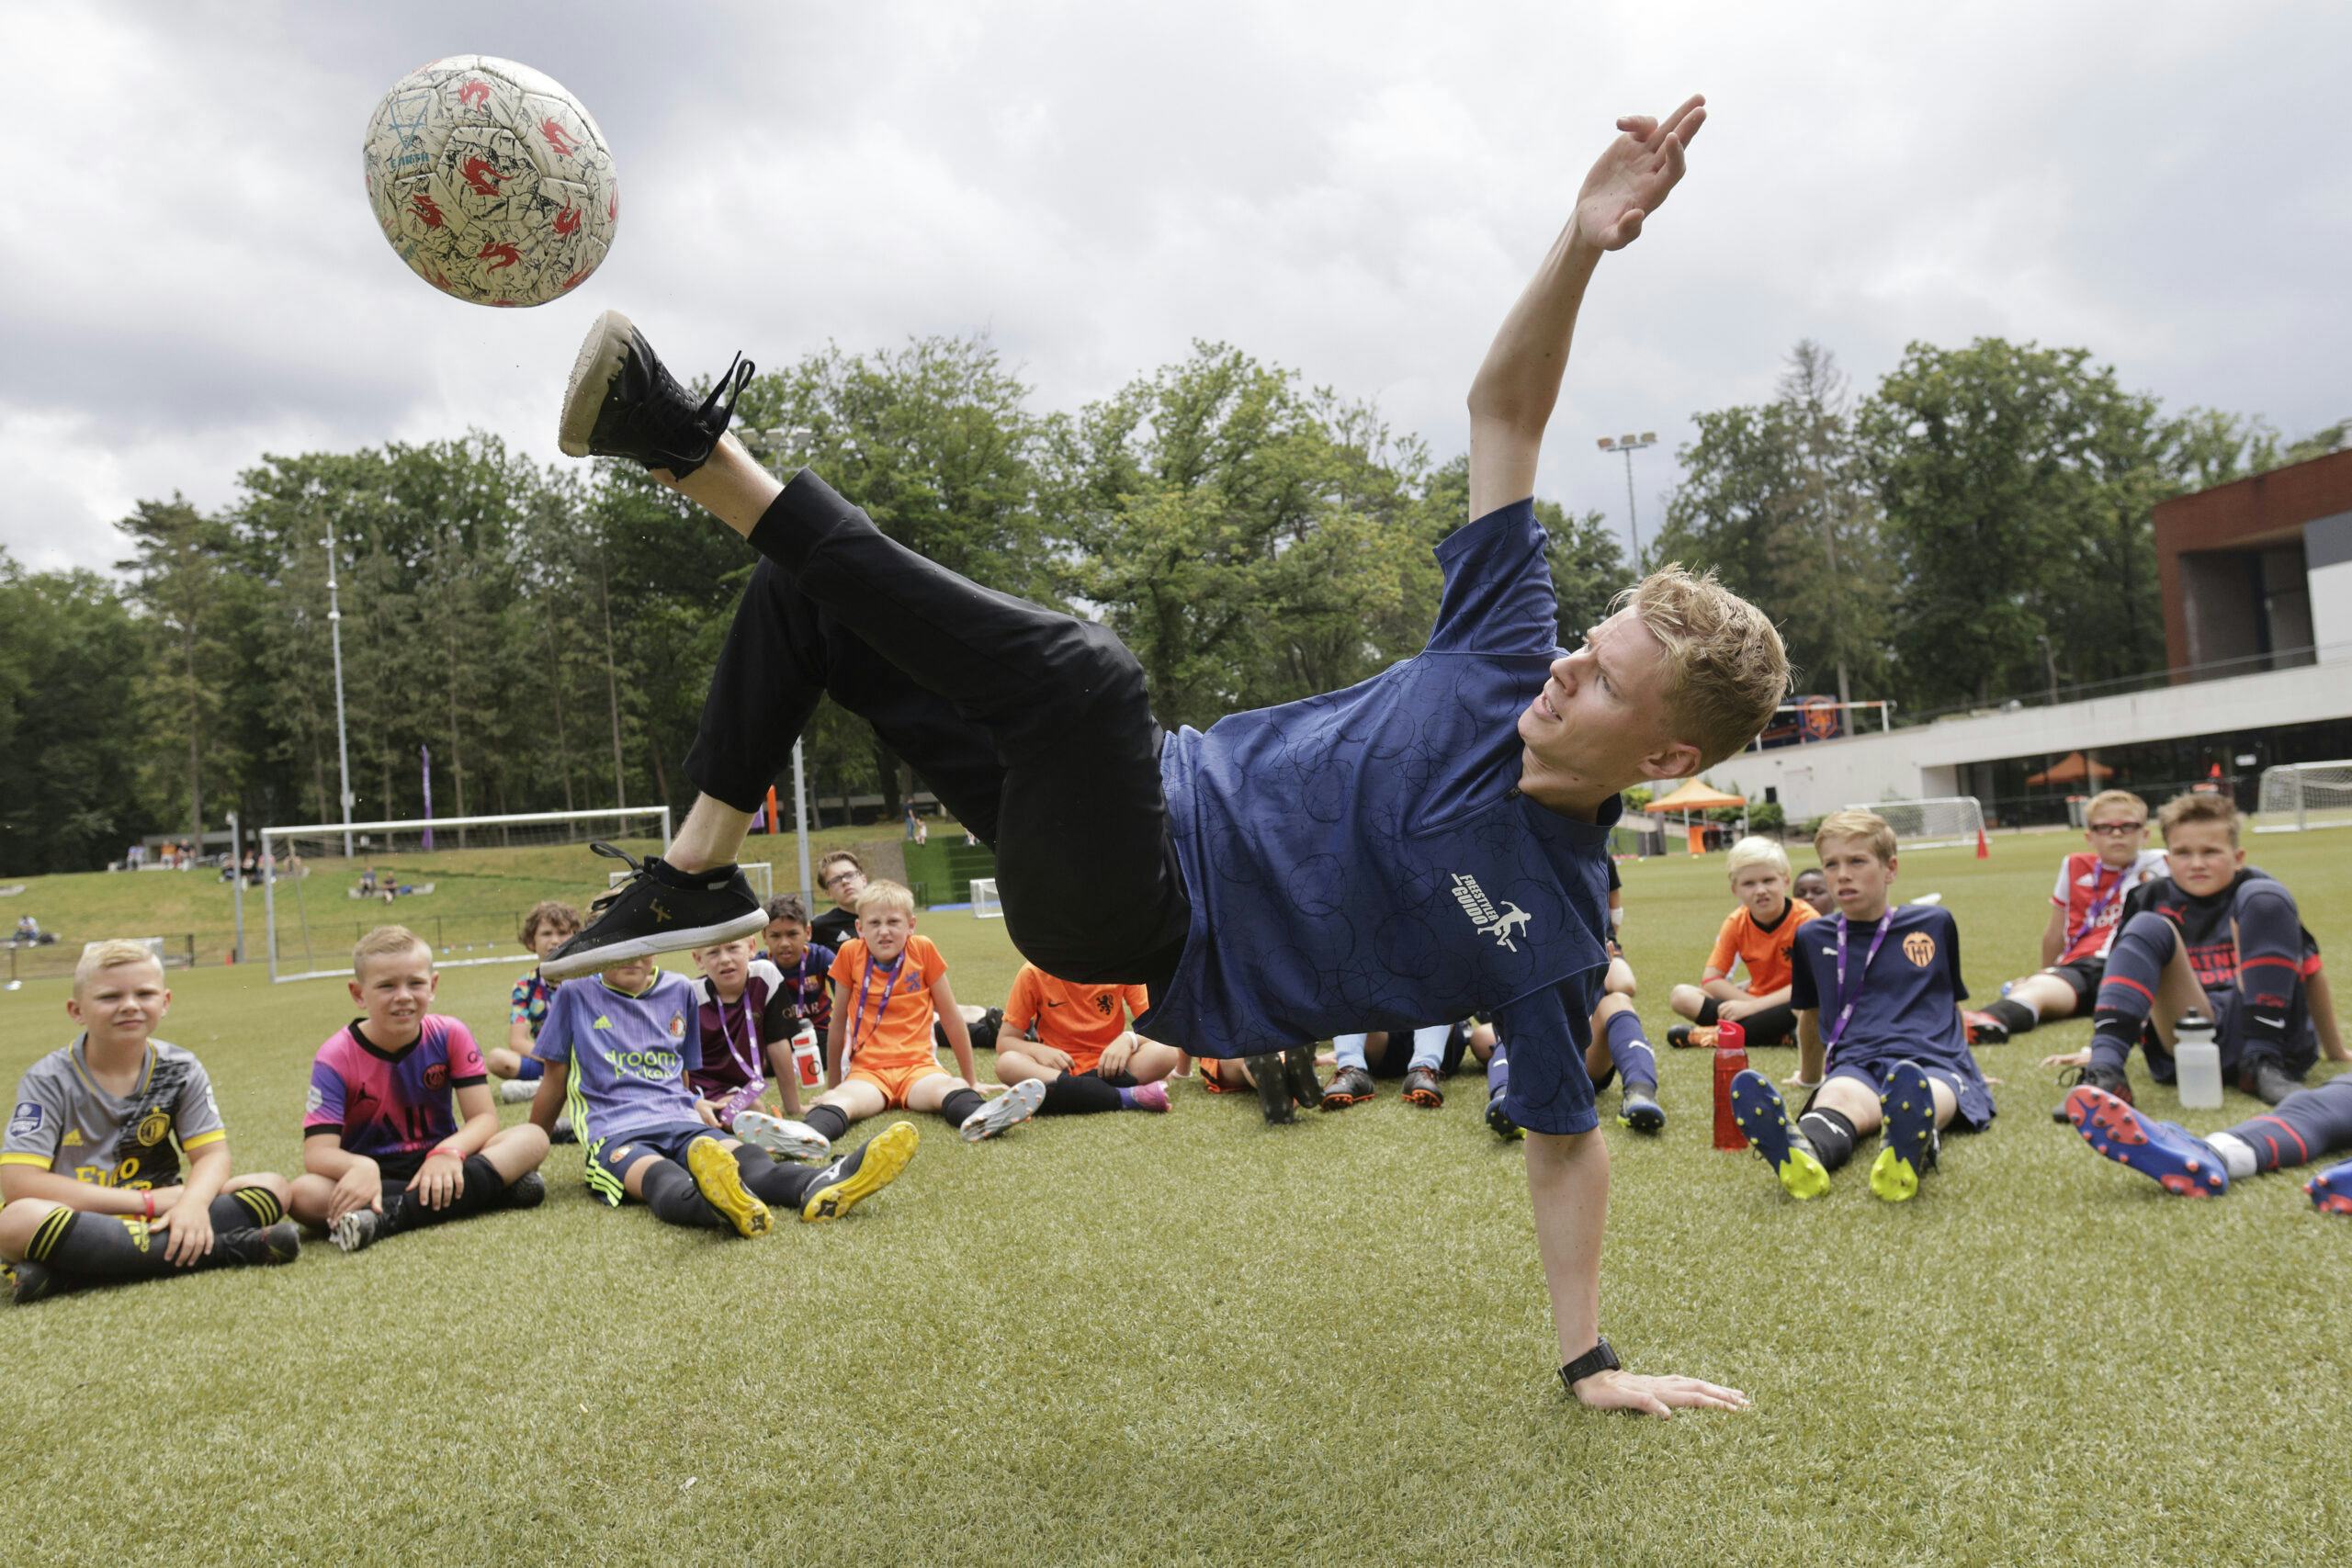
(491,181)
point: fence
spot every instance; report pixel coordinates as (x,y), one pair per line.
(55,961)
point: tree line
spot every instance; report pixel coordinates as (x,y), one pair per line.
(547,631)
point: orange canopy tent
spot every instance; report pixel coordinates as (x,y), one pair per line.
(2072,768)
(1696,794)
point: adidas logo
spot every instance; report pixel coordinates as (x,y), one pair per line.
(73,1139)
(602,1022)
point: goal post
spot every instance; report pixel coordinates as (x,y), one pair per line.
(461,882)
(2296,796)
(1936,823)
(986,906)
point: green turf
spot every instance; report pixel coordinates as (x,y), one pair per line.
(1197,1338)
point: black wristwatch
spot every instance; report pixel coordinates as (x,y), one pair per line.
(1600,1358)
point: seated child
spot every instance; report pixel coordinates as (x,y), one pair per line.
(1419,1056)
(548,926)
(878,1054)
(115,1165)
(1812,887)
(1086,1053)
(843,874)
(2307,1126)
(2086,906)
(1280,1080)
(2216,935)
(619,1045)
(806,963)
(1759,934)
(1880,986)
(746,1020)
(379,1114)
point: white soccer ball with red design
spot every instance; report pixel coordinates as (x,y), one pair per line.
(491,181)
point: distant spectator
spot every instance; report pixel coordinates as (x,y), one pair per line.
(914,825)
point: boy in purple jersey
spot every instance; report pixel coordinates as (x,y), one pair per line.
(379,1112)
(1426,845)
(1881,987)
(620,1048)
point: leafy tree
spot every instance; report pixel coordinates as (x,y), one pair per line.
(71,651)
(178,570)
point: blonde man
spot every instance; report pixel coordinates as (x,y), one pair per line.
(1428,844)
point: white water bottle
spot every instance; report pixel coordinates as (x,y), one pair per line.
(805,1060)
(2197,1061)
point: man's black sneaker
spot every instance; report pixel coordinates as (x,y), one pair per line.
(1298,1074)
(528,1191)
(2098,1075)
(28,1282)
(1421,1088)
(1349,1086)
(659,909)
(2266,1081)
(1273,1079)
(1639,1110)
(621,402)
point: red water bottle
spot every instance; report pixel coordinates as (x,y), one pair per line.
(1731,1060)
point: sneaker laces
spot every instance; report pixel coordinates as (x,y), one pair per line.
(730,385)
(614,851)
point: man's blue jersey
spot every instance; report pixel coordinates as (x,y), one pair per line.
(1908,1002)
(1363,860)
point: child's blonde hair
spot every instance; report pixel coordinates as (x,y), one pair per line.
(1757,850)
(2122,797)
(115,954)
(384,941)
(1871,829)
(886,895)
(2199,808)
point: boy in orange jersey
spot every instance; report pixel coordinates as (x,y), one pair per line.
(1086,1052)
(1757,934)
(890,986)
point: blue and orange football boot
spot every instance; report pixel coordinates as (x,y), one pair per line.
(2164,1152)
(1763,1118)
(2331,1189)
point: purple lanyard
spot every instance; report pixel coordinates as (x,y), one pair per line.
(2100,904)
(750,1031)
(863,981)
(1846,1004)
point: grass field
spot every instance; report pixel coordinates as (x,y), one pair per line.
(1197,1338)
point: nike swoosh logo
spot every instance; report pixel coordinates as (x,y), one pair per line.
(2270,1022)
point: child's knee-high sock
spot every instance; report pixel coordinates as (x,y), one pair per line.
(2270,969)
(1832,1136)
(1079,1094)
(406,1211)
(962,1101)
(1429,1046)
(2017,1015)
(531,1069)
(115,1247)
(829,1120)
(780,1186)
(1351,1051)
(669,1192)
(1774,1026)
(1498,1071)
(2127,993)
(248,1207)
(1632,1056)
(2309,1124)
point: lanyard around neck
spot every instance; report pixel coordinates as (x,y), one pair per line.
(1846,1004)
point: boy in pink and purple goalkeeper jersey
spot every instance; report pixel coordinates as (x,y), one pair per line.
(380,1112)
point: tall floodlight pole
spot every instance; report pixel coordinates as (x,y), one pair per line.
(800,820)
(1629,444)
(342,730)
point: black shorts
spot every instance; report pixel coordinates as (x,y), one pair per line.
(2081,978)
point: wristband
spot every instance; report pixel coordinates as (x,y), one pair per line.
(1600,1358)
(445,1149)
(149,1199)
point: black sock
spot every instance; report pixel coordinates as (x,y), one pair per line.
(247,1208)
(118,1247)
(830,1121)
(782,1186)
(1831,1134)
(1077,1094)
(983,1033)
(2014,1015)
(405,1211)
(960,1103)
(1775,1025)
(669,1192)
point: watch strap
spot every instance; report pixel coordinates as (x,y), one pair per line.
(1600,1358)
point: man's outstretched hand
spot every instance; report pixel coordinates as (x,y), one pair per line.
(1634,178)
(1654,1395)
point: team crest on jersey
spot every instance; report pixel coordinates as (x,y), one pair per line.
(1920,949)
(677,1026)
(1481,911)
(437,1076)
(151,1128)
(26,1119)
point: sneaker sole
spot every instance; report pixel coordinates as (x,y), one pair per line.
(2331,1190)
(591,377)
(1007,1111)
(1427,1099)
(885,1155)
(1305,1091)
(1334,1100)
(1645,1118)
(1909,1104)
(596,960)
(2117,1131)
(777,1137)
(1763,1118)
(720,1181)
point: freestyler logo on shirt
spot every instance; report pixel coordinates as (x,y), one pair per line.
(1481,911)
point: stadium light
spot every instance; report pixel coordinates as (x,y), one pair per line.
(1630,443)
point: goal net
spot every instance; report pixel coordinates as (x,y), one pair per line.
(1939,822)
(2296,796)
(463,884)
(985,905)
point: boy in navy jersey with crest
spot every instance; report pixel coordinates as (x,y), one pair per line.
(1428,844)
(1878,985)
(382,1151)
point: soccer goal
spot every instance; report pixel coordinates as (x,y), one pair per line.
(1936,823)
(2296,796)
(461,882)
(985,904)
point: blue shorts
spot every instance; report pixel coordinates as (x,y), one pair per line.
(1549,1089)
(610,1158)
(1975,1112)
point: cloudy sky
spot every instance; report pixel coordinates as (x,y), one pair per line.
(1352,189)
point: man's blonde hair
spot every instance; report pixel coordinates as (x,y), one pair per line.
(1725,668)
(2122,797)
(1873,831)
(2198,807)
(383,942)
(1756,850)
(886,895)
(115,954)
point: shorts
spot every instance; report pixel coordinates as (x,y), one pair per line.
(400,1168)
(1221,1075)
(1549,1091)
(894,1081)
(1398,1054)
(610,1158)
(2081,978)
(1975,1112)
